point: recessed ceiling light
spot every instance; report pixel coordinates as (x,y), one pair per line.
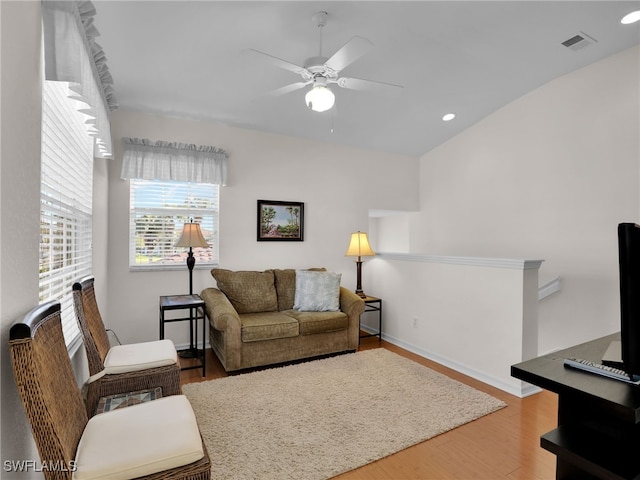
(632,17)
(448,117)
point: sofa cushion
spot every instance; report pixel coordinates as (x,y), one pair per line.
(320,322)
(267,326)
(249,291)
(286,286)
(285,281)
(317,291)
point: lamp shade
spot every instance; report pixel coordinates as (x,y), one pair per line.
(320,98)
(192,236)
(359,246)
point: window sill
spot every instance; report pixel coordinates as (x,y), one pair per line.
(75,345)
(163,268)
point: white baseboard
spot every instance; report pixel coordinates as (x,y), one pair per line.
(524,391)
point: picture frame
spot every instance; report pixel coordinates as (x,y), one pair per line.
(280,221)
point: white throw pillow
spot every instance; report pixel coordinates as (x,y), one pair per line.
(317,291)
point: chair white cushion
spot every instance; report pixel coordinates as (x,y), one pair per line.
(139,440)
(140,356)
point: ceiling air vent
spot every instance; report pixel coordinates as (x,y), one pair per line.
(579,41)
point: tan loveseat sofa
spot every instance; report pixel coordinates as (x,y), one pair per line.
(253,322)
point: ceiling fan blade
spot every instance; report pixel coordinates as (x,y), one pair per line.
(292,87)
(278,62)
(349,53)
(368,85)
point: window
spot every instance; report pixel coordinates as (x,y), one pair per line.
(158,210)
(65,201)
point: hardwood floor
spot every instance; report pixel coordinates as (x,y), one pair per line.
(502,445)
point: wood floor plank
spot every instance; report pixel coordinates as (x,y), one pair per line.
(502,445)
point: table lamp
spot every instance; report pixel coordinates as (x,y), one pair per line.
(191,237)
(359,247)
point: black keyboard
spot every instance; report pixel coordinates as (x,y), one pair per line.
(599,369)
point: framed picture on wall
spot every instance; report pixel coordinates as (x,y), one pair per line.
(280,221)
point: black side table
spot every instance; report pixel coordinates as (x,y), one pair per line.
(373,304)
(195,305)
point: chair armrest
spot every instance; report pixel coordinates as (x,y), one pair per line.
(219,310)
(350,303)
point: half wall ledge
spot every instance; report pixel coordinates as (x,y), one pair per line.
(476,315)
(519,264)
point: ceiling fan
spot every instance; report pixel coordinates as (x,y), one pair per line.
(320,71)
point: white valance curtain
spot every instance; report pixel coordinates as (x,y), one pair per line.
(148,160)
(72,55)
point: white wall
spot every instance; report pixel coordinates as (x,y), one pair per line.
(338,186)
(100,225)
(19,203)
(548,176)
(392,231)
(20,129)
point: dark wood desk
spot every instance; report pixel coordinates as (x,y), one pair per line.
(598,434)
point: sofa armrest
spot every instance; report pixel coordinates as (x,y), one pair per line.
(225,328)
(219,310)
(353,306)
(350,303)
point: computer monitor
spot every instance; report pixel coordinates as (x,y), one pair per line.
(629,265)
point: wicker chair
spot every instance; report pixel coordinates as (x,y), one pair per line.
(122,368)
(130,442)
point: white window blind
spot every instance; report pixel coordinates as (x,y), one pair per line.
(65,200)
(158,211)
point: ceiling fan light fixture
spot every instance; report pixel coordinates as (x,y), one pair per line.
(320,98)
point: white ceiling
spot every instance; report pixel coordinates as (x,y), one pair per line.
(191,59)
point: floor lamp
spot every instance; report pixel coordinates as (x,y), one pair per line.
(359,247)
(191,237)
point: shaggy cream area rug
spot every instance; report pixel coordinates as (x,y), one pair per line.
(315,420)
